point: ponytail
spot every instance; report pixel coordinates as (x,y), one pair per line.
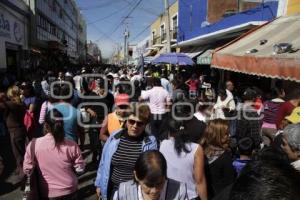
(178,131)
(58,132)
(54,119)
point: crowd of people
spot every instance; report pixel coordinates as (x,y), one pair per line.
(157,135)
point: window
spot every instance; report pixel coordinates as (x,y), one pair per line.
(174,27)
(54,6)
(174,22)
(162,32)
(153,38)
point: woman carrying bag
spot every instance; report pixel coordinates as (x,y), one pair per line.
(56,159)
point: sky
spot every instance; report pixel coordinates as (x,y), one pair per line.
(106,21)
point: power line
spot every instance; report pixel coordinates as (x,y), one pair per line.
(140,33)
(108,16)
(103,34)
(128,15)
(144,9)
(99,6)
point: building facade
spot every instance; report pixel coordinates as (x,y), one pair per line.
(94,55)
(158,28)
(293,7)
(197,18)
(202,28)
(57,33)
(14,23)
(82,39)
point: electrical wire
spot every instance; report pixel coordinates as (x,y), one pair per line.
(103,34)
(144,9)
(140,33)
(99,6)
(127,16)
(108,16)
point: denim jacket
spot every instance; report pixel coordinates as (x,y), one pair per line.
(110,147)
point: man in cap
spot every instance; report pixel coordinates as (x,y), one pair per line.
(116,120)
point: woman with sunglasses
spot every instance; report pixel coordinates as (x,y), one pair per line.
(122,150)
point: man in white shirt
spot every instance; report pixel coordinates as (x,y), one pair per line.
(78,81)
(225,103)
(159,100)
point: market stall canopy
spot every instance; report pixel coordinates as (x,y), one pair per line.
(271,50)
(173,58)
(193,52)
(205,57)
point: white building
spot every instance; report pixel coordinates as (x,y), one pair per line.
(140,48)
(56,21)
(82,39)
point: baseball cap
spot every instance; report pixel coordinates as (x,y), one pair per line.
(122,99)
(294,118)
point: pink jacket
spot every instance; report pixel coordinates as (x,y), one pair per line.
(56,166)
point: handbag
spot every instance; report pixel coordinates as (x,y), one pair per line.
(31,191)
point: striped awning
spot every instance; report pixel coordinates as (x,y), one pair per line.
(255,52)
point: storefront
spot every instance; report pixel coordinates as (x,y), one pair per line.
(267,53)
(13,39)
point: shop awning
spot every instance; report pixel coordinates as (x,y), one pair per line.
(253,53)
(193,51)
(205,58)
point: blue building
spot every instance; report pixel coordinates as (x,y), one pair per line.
(207,24)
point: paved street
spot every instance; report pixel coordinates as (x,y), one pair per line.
(10,190)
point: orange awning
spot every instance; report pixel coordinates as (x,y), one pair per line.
(253,53)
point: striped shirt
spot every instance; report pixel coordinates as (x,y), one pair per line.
(124,159)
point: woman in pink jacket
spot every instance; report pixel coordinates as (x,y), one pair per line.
(57,160)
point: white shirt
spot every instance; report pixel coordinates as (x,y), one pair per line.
(181,167)
(137,77)
(78,82)
(227,103)
(296,165)
(200,117)
(158,98)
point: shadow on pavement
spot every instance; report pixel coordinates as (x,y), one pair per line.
(87,192)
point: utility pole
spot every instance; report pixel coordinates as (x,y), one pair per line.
(167,14)
(126,43)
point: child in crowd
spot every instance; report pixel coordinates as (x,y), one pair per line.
(245,147)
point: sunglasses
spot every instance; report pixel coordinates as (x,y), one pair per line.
(138,123)
(123,107)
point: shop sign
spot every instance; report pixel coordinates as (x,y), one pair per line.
(10,28)
(4,26)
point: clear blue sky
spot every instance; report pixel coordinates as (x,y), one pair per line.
(104,19)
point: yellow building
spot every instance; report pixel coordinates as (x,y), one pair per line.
(293,7)
(158,28)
